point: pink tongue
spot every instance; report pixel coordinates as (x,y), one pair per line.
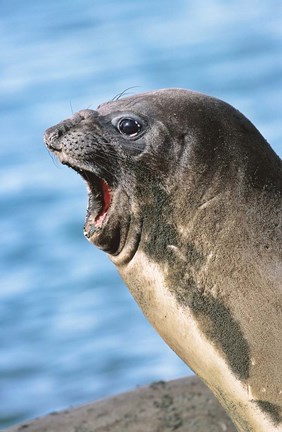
(106,192)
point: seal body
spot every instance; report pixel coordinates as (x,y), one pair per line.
(185,197)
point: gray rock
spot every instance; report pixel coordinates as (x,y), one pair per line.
(183,405)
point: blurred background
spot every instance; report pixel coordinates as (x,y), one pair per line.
(70,332)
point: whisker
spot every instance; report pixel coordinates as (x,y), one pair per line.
(103,168)
(53,159)
(71,107)
(123,93)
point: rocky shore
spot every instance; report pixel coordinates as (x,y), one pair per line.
(183,405)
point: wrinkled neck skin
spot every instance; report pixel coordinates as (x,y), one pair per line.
(204,268)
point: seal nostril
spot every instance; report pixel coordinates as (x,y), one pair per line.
(51,139)
(87,113)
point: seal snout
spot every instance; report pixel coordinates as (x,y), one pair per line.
(51,138)
(53,134)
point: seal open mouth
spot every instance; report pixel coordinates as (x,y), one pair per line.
(106,198)
(99,199)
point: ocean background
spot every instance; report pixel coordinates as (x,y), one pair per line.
(70,333)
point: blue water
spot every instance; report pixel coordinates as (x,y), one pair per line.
(69,330)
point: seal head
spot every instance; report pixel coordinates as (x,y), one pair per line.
(90,144)
(127,147)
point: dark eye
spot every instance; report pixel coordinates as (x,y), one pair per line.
(129,127)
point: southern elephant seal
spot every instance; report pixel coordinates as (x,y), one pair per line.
(185,197)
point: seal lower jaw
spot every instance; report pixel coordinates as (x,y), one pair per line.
(99,209)
(107,220)
(107,217)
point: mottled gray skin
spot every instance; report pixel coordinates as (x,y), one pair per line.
(194,228)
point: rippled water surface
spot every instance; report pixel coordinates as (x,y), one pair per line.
(69,330)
